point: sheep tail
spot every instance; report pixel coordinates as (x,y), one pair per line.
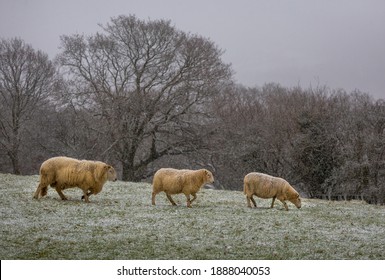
(43,185)
(245,188)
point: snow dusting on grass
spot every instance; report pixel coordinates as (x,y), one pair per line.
(121,223)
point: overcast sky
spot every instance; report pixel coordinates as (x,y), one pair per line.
(337,43)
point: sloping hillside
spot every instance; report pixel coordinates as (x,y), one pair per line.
(121,223)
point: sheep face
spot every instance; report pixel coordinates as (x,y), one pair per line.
(296,201)
(209,177)
(111,173)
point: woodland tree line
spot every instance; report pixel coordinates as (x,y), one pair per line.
(143,95)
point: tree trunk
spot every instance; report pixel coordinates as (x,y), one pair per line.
(15,163)
(128,172)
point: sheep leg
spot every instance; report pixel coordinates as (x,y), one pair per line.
(39,190)
(248,201)
(250,198)
(153,198)
(85,196)
(188,200)
(253,201)
(61,194)
(43,191)
(194,197)
(171,200)
(272,203)
(285,205)
(88,194)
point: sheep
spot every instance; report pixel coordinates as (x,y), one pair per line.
(174,181)
(266,186)
(64,172)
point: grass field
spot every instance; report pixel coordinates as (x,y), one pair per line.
(121,223)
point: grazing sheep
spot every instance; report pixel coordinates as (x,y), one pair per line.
(63,173)
(174,181)
(266,186)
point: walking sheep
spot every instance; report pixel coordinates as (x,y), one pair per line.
(174,181)
(64,172)
(266,186)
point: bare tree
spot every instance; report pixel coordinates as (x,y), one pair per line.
(147,84)
(27,78)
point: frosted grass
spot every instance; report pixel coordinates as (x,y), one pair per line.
(121,223)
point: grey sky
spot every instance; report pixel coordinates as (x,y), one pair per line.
(338,43)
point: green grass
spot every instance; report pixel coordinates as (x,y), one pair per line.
(121,223)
